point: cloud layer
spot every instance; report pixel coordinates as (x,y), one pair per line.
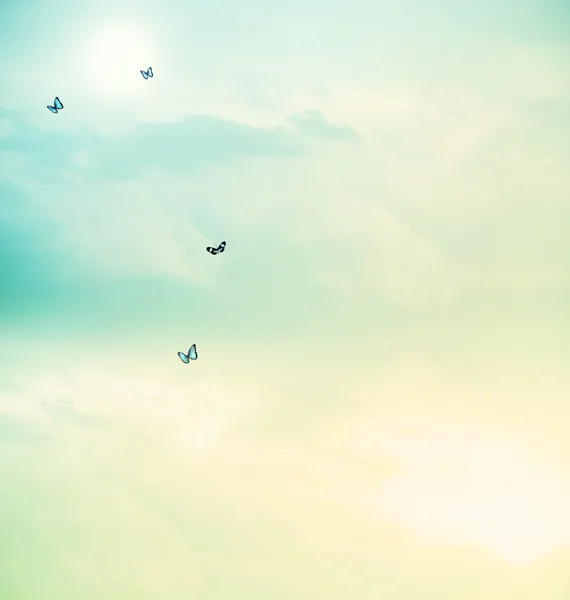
(380,404)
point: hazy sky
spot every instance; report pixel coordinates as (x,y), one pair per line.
(381,404)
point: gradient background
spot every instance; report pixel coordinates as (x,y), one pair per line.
(381,408)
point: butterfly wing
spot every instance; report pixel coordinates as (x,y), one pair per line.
(149,71)
(184,358)
(192,353)
(53,109)
(57,103)
(144,74)
(212,250)
(222,247)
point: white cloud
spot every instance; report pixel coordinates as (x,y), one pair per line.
(194,463)
(127,228)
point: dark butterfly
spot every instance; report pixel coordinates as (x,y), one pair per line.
(217,250)
(147,74)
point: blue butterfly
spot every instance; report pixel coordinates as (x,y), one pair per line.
(192,354)
(57,105)
(147,74)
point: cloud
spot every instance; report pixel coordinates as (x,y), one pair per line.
(398,223)
(178,147)
(195,141)
(312,123)
(472,485)
(94,243)
(63,410)
(17,429)
(181,470)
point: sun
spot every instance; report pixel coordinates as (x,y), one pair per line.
(113,58)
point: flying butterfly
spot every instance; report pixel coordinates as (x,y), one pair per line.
(57,105)
(192,354)
(217,250)
(147,74)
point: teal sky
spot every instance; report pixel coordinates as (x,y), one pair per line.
(381,402)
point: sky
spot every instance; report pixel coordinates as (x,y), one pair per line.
(381,403)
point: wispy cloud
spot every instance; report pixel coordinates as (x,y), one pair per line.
(63,410)
(380,404)
(179,146)
(476,486)
(312,123)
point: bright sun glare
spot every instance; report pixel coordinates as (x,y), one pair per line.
(465,489)
(114,57)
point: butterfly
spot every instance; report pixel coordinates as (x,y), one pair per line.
(57,105)
(217,250)
(147,74)
(192,354)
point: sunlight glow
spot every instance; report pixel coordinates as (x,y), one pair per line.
(475,489)
(114,57)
